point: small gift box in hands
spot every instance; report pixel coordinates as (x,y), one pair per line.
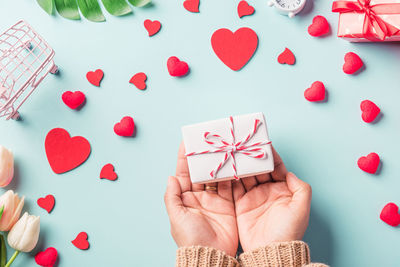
(230,148)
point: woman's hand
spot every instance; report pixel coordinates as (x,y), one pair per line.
(271,207)
(200,217)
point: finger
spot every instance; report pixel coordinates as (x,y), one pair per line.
(263,178)
(197,187)
(249,183)
(225,190)
(212,185)
(238,189)
(301,192)
(172,197)
(182,170)
(280,171)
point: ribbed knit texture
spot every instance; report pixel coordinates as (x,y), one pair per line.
(197,256)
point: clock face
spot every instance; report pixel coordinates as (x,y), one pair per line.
(289,4)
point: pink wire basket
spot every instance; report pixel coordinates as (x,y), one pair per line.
(25,60)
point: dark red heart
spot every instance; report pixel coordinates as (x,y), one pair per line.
(316,92)
(319,26)
(176,67)
(47,258)
(152,27)
(46,203)
(244,9)
(81,241)
(369,111)
(352,63)
(286,57)
(95,77)
(125,127)
(370,163)
(234,49)
(192,5)
(107,172)
(139,80)
(63,152)
(73,99)
(390,214)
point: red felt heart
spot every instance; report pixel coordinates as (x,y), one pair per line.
(47,258)
(73,99)
(319,26)
(139,80)
(192,5)
(176,67)
(370,163)
(152,27)
(63,152)
(95,77)
(125,127)
(286,57)
(81,241)
(46,203)
(352,63)
(244,9)
(107,172)
(369,111)
(234,49)
(316,92)
(390,214)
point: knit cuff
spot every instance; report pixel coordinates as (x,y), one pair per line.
(197,256)
(287,254)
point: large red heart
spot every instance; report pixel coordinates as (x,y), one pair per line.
(244,9)
(177,67)
(192,5)
(319,26)
(95,77)
(234,49)
(107,172)
(316,92)
(369,111)
(286,57)
(46,203)
(352,63)
(63,152)
(47,258)
(73,99)
(390,214)
(81,241)
(370,163)
(125,127)
(139,80)
(152,27)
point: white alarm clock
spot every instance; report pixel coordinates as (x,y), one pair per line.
(288,7)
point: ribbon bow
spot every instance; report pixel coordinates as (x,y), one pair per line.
(373,24)
(221,145)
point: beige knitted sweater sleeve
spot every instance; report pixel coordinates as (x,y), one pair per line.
(285,254)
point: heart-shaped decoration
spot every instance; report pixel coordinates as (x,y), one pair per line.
(287,57)
(390,214)
(319,26)
(370,163)
(176,67)
(81,241)
(47,258)
(46,203)
(95,77)
(192,5)
(352,63)
(316,92)
(234,49)
(369,111)
(63,152)
(107,172)
(139,80)
(244,9)
(152,27)
(73,99)
(125,127)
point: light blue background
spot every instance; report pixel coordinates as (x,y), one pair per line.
(126,219)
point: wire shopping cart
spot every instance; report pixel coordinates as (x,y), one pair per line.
(25,60)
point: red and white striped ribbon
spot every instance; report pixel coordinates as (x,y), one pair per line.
(221,145)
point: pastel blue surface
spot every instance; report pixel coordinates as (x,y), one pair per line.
(126,219)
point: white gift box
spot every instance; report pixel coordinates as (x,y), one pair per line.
(210,145)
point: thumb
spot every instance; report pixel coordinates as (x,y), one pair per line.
(172,197)
(300,190)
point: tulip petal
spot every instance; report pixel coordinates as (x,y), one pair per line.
(25,233)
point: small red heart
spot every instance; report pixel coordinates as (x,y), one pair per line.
(152,27)
(370,163)
(125,127)
(390,214)
(192,5)
(286,57)
(47,258)
(244,9)
(352,63)
(139,80)
(319,26)
(46,203)
(107,172)
(176,67)
(81,241)
(316,92)
(73,99)
(369,111)
(64,152)
(95,77)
